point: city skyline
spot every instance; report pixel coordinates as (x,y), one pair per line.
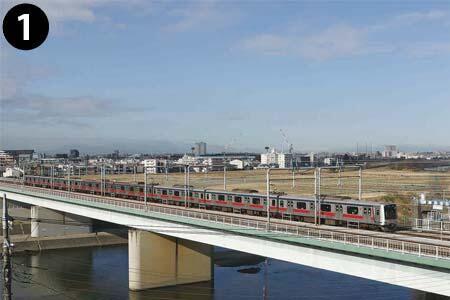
(139,75)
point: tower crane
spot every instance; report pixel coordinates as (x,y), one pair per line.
(291,146)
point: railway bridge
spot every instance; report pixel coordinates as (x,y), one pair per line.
(173,245)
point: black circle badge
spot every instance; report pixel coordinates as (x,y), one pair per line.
(25,26)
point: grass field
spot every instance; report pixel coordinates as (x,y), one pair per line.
(379,184)
(376,183)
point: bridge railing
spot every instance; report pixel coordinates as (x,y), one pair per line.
(358,240)
(431,225)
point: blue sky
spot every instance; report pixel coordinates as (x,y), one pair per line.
(157,76)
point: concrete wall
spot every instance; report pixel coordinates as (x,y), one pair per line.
(156,261)
(48,222)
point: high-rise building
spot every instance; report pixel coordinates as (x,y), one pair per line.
(390,151)
(6,160)
(280,159)
(74,153)
(200,148)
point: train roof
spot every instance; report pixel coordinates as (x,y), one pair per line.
(284,197)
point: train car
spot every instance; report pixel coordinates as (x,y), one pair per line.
(329,211)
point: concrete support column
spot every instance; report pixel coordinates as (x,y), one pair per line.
(48,222)
(157,261)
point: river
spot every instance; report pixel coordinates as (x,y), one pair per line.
(102,273)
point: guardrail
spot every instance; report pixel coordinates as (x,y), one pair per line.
(431,225)
(358,240)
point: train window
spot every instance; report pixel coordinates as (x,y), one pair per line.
(221,197)
(238,199)
(273,202)
(353,210)
(390,211)
(325,207)
(190,194)
(301,205)
(164,192)
(281,203)
(201,195)
(122,188)
(141,190)
(377,212)
(208,196)
(230,198)
(214,197)
(365,210)
(176,193)
(256,201)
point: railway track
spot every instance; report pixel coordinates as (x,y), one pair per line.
(402,235)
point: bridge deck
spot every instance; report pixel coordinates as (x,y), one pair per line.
(400,250)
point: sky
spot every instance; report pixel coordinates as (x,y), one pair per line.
(157,76)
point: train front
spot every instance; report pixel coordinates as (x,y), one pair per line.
(388,218)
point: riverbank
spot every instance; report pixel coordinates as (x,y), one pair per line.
(25,243)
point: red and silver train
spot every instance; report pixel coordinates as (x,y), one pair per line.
(332,212)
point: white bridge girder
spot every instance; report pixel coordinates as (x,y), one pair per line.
(433,281)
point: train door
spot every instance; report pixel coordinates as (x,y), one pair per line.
(367,211)
(289,211)
(229,204)
(282,206)
(377,215)
(339,212)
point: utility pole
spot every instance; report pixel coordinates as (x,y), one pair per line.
(101,180)
(188,186)
(68,177)
(185,185)
(319,183)
(315,196)
(293,177)
(23,175)
(224,172)
(52,174)
(268,197)
(7,274)
(145,185)
(360,184)
(224,176)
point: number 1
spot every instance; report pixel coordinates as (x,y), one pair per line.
(26,26)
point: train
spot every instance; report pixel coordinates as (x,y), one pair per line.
(339,212)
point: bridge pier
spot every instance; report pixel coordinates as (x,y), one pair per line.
(156,260)
(48,222)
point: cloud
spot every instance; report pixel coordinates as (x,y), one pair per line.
(333,42)
(199,14)
(79,111)
(415,17)
(86,11)
(16,74)
(344,40)
(421,50)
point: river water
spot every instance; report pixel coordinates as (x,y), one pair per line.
(102,273)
